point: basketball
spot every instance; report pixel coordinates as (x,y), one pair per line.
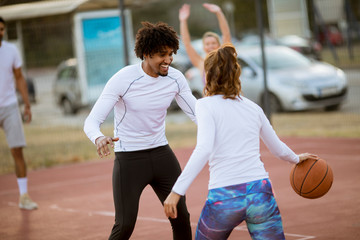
(311,178)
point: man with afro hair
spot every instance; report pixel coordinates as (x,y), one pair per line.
(140,95)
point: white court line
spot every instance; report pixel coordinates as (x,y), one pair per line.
(150,219)
(61,183)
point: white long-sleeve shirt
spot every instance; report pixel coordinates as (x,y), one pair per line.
(228,138)
(140,104)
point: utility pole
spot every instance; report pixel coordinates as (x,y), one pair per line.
(123,24)
(259,17)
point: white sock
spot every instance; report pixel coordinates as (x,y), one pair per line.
(22,183)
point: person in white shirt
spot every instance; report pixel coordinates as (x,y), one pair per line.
(140,95)
(230,127)
(10,118)
(210,40)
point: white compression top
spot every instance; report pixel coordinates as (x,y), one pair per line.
(140,105)
(228,137)
(9,60)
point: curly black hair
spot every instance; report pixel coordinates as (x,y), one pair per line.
(152,38)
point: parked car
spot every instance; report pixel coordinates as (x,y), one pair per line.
(66,88)
(252,39)
(308,47)
(31,91)
(295,82)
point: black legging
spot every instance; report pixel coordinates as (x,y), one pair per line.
(132,172)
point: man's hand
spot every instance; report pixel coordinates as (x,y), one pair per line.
(170,204)
(102,145)
(27,114)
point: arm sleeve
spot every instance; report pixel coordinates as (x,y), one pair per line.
(185,99)
(273,143)
(17,60)
(101,109)
(202,151)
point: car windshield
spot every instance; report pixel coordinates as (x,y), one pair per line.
(293,40)
(281,58)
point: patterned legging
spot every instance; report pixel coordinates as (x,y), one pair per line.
(227,207)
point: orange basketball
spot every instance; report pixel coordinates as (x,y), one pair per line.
(311,178)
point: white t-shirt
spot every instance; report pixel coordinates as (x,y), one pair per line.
(140,104)
(228,137)
(9,60)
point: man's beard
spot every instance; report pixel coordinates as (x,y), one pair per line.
(163,74)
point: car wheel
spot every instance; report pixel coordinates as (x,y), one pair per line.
(68,108)
(333,107)
(274,103)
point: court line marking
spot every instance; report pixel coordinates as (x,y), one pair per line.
(61,183)
(151,219)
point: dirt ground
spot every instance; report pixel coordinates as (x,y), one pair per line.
(76,200)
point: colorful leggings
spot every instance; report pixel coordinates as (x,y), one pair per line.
(227,207)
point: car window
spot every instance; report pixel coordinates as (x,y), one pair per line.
(63,74)
(246,69)
(73,73)
(67,74)
(282,58)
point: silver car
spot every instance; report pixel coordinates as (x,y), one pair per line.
(294,81)
(66,87)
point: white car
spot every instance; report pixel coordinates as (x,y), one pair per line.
(294,81)
(66,87)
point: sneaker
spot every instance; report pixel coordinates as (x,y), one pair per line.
(26,202)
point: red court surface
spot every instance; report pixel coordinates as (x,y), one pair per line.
(76,200)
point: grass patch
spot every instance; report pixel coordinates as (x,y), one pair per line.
(317,124)
(181,135)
